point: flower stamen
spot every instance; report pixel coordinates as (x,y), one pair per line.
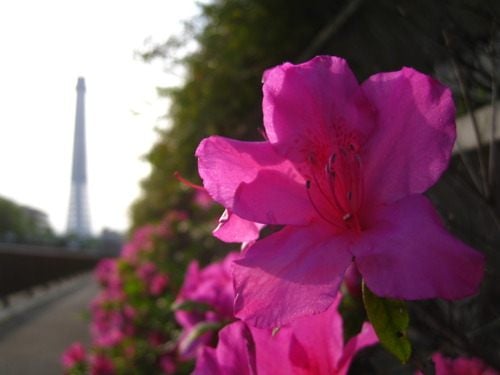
(308,187)
(341,186)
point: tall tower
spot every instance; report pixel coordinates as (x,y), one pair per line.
(78,215)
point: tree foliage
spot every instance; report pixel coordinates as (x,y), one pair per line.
(238,39)
(23,224)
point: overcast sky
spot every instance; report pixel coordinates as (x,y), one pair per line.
(45,47)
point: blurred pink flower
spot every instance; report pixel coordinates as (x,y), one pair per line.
(166,228)
(73,355)
(156,338)
(310,345)
(167,364)
(106,272)
(213,286)
(460,366)
(158,284)
(203,199)
(101,365)
(141,241)
(146,271)
(110,326)
(108,275)
(342,169)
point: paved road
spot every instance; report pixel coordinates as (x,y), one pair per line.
(32,340)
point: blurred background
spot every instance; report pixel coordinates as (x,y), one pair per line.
(159,76)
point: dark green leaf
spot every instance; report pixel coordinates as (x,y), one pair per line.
(390,320)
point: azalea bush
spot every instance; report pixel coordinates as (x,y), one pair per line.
(132,323)
(130,316)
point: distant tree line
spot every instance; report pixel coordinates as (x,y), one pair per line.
(23,224)
(20,224)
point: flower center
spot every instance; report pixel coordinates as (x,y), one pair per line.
(335,186)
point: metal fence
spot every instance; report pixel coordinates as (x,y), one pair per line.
(23,267)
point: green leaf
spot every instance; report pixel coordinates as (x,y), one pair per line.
(390,320)
(198,330)
(191,306)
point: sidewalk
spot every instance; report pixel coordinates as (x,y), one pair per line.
(34,332)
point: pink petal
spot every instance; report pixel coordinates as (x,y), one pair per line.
(365,338)
(206,362)
(311,344)
(406,253)
(270,182)
(414,136)
(302,98)
(272,351)
(191,281)
(306,105)
(272,198)
(233,228)
(233,354)
(292,273)
(317,342)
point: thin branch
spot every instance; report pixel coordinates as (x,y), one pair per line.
(331,28)
(493,325)
(492,151)
(475,126)
(468,167)
(482,168)
(481,200)
(460,342)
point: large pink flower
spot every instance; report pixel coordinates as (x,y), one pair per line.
(309,345)
(342,169)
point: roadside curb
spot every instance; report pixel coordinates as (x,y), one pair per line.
(22,303)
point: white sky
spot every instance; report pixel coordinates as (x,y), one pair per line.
(44,47)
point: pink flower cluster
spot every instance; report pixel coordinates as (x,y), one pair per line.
(212,288)
(309,345)
(127,315)
(74,356)
(156,281)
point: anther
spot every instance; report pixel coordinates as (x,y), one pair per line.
(347,216)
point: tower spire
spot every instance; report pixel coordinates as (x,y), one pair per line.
(78,215)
